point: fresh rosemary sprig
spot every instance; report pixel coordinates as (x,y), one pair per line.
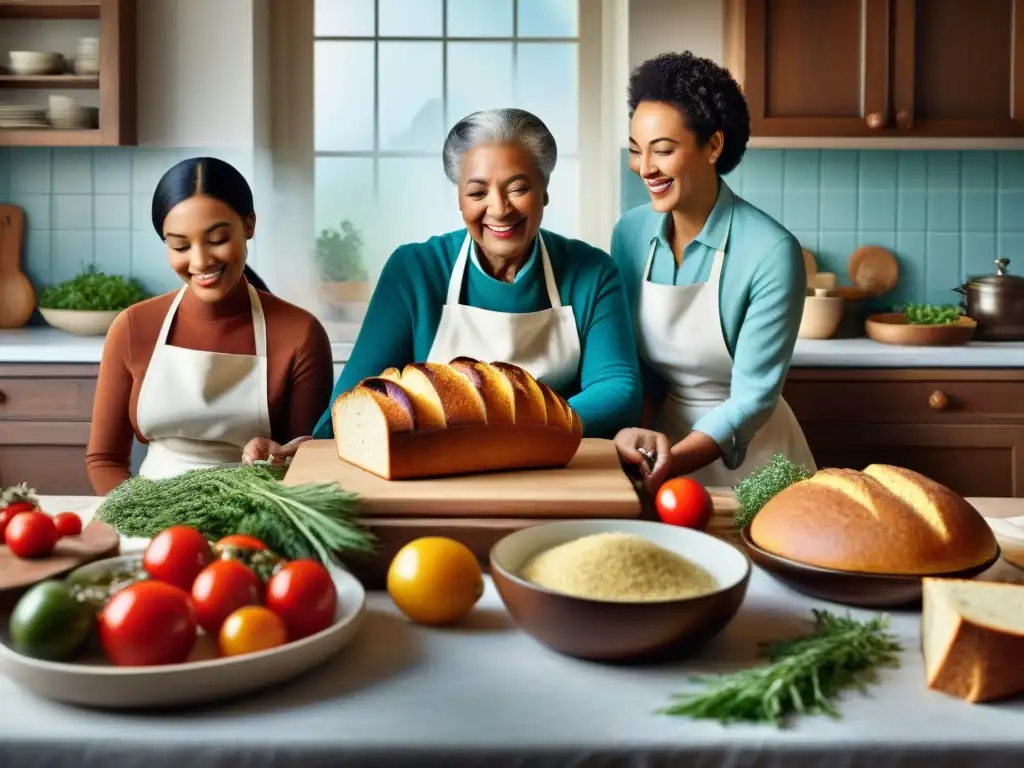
(803,677)
(758,488)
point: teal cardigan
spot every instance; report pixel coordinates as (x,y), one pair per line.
(405,310)
(761,300)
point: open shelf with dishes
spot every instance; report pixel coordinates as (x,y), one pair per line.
(80,51)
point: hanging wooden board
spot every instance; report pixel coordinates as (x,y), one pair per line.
(592,485)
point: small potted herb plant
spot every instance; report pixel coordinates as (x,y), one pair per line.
(339,261)
(87,304)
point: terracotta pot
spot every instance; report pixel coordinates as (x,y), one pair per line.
(345,292)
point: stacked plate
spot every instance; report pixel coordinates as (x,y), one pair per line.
(22,116)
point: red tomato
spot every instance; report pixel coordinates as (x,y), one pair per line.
(241,541)
(5,517)
(176,555)
(68,524)
(303,594)
(685,502)
(220,589)
(147,623)
(31,534)
(19,506)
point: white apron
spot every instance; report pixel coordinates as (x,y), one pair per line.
(679,333)
(199,409)
(545,343)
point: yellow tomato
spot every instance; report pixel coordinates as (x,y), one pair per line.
(435,580)
(250,629)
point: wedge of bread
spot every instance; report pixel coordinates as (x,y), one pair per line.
(972,638)
(884,519)
(435,419)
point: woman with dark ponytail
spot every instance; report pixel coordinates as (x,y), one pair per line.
(199,372)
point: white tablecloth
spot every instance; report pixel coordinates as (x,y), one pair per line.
(488,695)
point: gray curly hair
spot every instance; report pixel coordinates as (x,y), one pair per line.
(500,126)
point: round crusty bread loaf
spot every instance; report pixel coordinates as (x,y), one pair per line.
(883,520)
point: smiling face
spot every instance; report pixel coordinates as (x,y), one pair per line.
(667,155)
(502,199)
(206,243)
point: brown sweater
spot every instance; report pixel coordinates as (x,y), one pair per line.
(300,369)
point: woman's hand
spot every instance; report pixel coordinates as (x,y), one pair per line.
(632,443)
(265,449)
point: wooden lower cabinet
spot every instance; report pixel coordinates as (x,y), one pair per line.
(963,427)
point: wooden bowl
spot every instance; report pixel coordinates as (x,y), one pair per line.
(80,322)
(893,328)
(601,630)
(861,590)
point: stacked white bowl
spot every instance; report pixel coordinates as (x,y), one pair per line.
(67,115)
(36,63)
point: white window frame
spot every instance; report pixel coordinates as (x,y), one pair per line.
(289,165)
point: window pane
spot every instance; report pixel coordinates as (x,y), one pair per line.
(479,18)
(344,191)
(410,18)
(549,18)
(547,85)
(417,201)
(410,96)
(343,18)
(479,77)
(343,96)
(562,213)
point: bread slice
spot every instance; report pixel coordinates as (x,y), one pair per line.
(364,419)
(972,638)
(883,520)
(494,387)
(530,407)
(442,396)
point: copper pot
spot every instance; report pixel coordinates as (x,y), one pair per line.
(996,303)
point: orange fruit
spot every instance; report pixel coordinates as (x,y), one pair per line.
(435,580)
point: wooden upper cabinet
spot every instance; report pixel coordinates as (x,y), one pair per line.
(862,68)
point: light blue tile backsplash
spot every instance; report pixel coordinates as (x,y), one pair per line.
(946,215)
(92,206)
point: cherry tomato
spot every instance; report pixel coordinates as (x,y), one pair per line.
(241,541)
(684,502)
(19,506)
(250,629)
(5,517)
(68,524)
(176,555)
(148,623)
(220,589)
(303,594)
(31,534)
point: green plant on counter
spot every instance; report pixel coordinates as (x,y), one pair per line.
(758,488)
(339,255)
(93,290)
(932,314)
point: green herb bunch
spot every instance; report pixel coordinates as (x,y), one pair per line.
(93,290)
(759,487)
(932,314)
(313,520)
(804,676)
(339,254)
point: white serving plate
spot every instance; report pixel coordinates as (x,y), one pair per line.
(204,678)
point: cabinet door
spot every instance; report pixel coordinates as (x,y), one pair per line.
(958,67)
(811,68)
(49,456)
(973,460)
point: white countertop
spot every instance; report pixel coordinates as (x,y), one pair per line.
(42,344)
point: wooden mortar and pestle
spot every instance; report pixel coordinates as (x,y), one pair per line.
(17,296)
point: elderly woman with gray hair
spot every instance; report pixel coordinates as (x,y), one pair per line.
(503,289)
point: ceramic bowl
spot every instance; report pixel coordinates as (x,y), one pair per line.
(861,590)
(35,62)
(617,631)
(822,315)
(80,322)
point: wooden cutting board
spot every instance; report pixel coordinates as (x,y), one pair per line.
(592,486)
(17,296)
(98,540)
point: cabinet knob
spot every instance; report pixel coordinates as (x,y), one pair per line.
(904,120)
(3,397)
(938,401)
(875,121)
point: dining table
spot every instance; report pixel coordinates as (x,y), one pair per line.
(485,694)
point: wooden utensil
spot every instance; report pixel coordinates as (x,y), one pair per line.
(810,264)
(893,328)
(592,485)
(874,270)
(98,540)
(17,296)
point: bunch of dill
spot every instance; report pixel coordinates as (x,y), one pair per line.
(313,520)
(758,488)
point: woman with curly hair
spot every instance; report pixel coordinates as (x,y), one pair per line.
(716,285)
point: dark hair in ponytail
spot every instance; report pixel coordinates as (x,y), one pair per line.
(206,176)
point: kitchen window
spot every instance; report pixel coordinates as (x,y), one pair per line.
(389,78)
